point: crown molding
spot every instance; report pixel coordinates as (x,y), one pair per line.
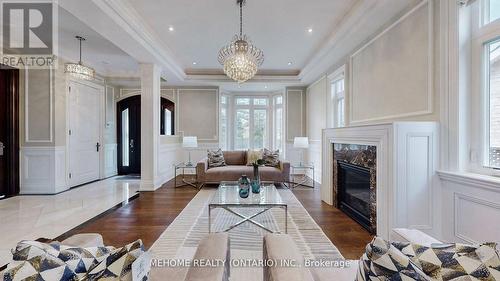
(123,14)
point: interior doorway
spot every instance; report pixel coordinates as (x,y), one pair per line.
(84,135)
(129,136)
(9,132)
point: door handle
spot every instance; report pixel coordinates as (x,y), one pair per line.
(131,143)
(2,147)
(97,146)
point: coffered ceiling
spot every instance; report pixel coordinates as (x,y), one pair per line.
(184,37)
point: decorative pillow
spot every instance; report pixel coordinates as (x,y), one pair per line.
(253,156)
(79,260)
(383,261)
(215,158)
(271,158)
(39,267)
(118,264)
(455,261)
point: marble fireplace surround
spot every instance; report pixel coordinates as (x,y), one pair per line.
(363,156)
(406,161)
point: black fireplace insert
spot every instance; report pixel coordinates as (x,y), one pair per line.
(354,192)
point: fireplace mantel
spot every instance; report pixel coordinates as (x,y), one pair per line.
(407,154)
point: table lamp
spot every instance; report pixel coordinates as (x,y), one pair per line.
(189,143)
(303,143)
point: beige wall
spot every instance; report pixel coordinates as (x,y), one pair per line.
(42,107)
(392,76)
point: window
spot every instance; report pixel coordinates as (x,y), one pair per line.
(223,130)
(251,123)
(278,123)
(338,100)
(491,10)
(493,92)
(167,119)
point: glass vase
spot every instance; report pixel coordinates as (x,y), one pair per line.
(244,185)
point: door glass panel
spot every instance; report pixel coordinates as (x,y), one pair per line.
(125,138)
(260,121)
(168,122)
(242,136)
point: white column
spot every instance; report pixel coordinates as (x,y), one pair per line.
(150,126)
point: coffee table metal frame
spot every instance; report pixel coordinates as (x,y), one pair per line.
(244,218)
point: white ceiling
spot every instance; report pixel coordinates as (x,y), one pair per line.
(141,30)
(104,56)
(278,27)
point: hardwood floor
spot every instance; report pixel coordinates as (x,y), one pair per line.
(152,212)
(349,237)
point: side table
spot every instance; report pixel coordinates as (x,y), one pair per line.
(304,178)
(182,169)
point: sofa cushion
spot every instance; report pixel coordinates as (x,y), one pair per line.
(281,247)
(215,158)
(383,261)
(271,158)
(84,240)
(235,157)
(234,172)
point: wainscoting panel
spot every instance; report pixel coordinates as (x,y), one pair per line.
(470,207)
(476,219)
(110,159)
(43,170)
(170,155)
(415,167)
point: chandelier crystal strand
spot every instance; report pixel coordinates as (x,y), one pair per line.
(241,59)
(78,70)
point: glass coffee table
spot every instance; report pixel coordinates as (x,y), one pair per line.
(228,198)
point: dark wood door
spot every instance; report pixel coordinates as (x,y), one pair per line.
(129,136)
(9,146)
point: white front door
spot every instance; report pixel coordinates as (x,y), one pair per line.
(84,146)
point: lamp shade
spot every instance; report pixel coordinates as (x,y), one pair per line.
(190,142)
(301,142)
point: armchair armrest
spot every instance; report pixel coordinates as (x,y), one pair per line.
(201,169)
(285,170)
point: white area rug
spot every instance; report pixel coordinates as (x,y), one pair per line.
(181,238)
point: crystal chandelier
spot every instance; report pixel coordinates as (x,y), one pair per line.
(240,58)
(79,70)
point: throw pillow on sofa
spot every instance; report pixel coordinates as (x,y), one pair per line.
(79,260)
(41,266)
(118,264)
(439,262)
(253,156)
(383,261)
(271,158)
(215,158)
(455,261)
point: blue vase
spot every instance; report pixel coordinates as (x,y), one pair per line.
(244,185)
(255,186)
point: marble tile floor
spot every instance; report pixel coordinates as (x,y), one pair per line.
(29,217)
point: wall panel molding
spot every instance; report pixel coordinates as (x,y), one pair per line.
(379,116)
(27,110)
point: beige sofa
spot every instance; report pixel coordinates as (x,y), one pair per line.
(281,247)
(236,166)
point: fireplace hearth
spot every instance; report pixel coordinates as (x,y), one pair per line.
(354,192)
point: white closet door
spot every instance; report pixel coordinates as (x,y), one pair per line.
(84,110)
